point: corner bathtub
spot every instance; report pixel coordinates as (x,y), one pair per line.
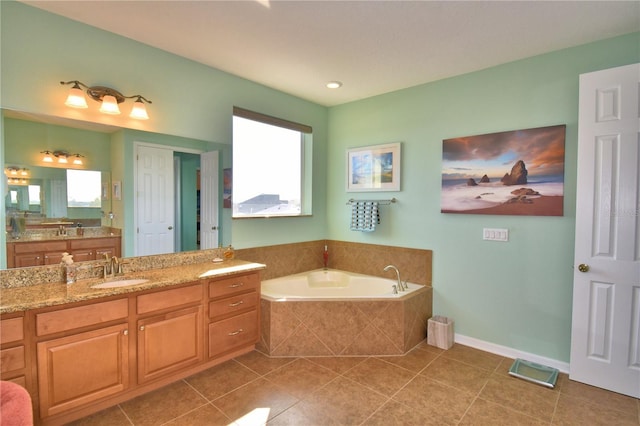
(337,313)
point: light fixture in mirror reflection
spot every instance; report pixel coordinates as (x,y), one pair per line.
(61,157)
(17,175)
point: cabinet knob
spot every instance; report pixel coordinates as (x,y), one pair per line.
(142,328)
(125,332)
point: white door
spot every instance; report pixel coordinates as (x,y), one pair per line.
(605,337)
(58,199)
(209,228)
(155,200)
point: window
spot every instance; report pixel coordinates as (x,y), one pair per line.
(84,188)
(34,195)
(271,166)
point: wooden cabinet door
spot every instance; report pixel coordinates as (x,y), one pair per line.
(53,258)
(28,259)
(82,368)
(108,251)
(169,342)
(82,255)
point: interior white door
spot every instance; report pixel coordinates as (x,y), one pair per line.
(155,200)
(209,228)
(605,337)
(58,198)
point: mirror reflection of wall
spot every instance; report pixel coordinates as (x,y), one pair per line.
(24,198)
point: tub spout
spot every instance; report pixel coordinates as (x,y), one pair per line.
(401,285)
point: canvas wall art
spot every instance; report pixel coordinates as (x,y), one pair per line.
(519,172)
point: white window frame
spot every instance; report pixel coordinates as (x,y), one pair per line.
(306,137)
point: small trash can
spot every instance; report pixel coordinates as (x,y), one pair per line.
(440,332)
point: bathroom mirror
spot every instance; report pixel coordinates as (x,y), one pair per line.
(52,193)
(26,135)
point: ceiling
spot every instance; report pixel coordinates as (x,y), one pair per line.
(372,47)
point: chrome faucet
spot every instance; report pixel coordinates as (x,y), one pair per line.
(401,286)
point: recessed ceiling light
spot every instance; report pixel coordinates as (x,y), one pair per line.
(334,84)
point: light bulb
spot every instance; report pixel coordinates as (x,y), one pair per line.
(139,111)
(76,98)
(109,105)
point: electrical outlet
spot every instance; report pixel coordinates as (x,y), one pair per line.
(495,234)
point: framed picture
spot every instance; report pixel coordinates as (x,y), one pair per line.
(374,168)
(117,190)
(518,172)
(227,186)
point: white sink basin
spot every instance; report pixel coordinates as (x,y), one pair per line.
(120,283)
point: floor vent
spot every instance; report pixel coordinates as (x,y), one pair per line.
(536,373)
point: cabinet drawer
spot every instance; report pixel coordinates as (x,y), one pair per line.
(169,298)
(11,330)
(82,316)
(230,305)
(233,332)
(90,243)
(41,247)
(12,359)
(232,285)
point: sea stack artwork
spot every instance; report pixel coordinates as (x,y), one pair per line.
(519,172)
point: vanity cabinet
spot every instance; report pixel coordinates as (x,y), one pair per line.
(233,313)
(171,339)
(38,253)
(79,358)
(13,354)
(82,355)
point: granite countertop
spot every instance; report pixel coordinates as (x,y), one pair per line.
(45,238)
(51,294)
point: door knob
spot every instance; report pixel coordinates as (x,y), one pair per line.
(214,228)
(170,228)
(583,267)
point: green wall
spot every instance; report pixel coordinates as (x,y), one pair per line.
(190,163)
(27,139)
(516,294)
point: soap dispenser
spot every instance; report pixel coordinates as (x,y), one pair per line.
(228,253)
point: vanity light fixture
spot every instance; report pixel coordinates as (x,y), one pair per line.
(109,98)
(62,157)
(14,171)
(47,157)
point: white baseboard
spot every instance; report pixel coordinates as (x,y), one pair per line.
(510,352)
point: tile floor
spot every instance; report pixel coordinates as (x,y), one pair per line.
(427,386)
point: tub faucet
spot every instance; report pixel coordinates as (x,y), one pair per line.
(401,285)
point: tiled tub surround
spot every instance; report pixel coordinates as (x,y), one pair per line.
(363,327)
(369,259)
(357,327)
